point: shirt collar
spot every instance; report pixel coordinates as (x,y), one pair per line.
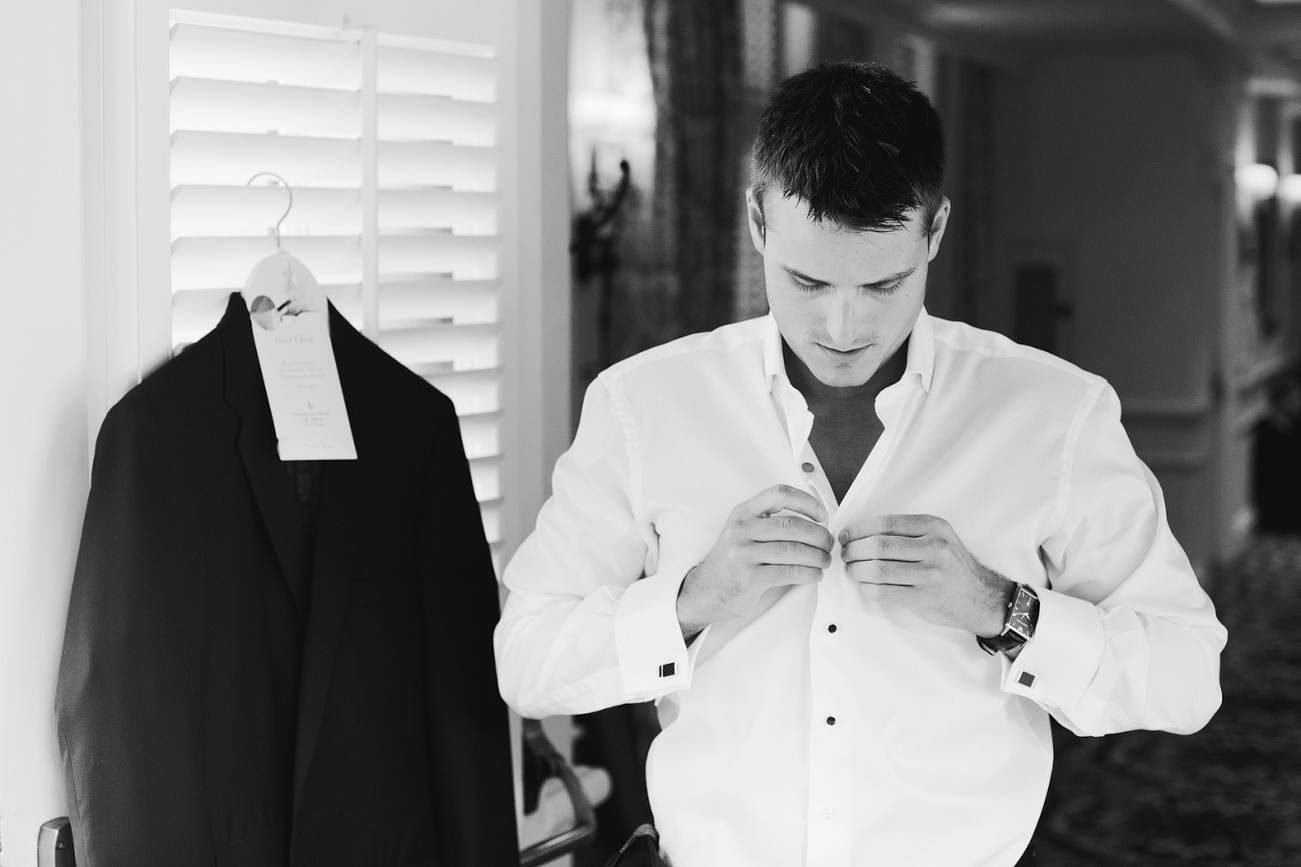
(921,352)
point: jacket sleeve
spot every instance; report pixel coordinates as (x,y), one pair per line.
(468,723)
(126,705)
(1127,638)
(591,621)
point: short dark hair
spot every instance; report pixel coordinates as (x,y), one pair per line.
(858,144)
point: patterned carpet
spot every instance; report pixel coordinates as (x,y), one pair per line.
(1228,796)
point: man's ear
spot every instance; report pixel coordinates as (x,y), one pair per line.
(754,213)
(938,225)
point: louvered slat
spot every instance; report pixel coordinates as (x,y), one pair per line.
(460,257)
(210,105)
(401,70)
(463,213)
(232,158)
(418,117)
(492,523)
(215,263)
(466,347)
(439,301)
(238,55)
(230,211)
(437,164)
(480,436)
(473,392)
(487,478)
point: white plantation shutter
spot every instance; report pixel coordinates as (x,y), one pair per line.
(389,144)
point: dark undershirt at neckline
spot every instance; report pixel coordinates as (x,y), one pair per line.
(845,425)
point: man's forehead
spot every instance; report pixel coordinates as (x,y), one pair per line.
(825,252)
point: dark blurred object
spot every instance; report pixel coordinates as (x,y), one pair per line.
(696,73)
(642,849)
(1039,308)
(617,739)
(584,830)
(1276,461)
(596,228)
(596,245)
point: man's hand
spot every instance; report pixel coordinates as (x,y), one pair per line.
(919,562)
(756,550)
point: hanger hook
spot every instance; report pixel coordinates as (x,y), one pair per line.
(288,189)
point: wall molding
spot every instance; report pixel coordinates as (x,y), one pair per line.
(1177,460)
(1183,410)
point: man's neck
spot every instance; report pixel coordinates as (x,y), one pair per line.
(817,393)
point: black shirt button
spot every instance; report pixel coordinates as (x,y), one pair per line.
(806,467)
(831,628)
(831,720)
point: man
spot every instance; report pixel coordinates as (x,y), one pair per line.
(858,554)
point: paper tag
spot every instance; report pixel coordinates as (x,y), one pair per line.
(302,383)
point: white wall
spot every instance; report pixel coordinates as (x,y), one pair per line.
(43,450)
(1118,158)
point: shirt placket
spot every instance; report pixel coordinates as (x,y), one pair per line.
(834,800)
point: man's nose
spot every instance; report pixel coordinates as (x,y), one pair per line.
(842,320)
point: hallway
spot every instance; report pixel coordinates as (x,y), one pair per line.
(1228,796)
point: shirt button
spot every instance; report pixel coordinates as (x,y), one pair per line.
(831,628)
(806,467)
(828,814)
(831,720)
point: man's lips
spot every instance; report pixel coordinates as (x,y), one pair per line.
(842,353)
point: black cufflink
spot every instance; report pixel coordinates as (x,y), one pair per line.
(1026,679)
(668,669)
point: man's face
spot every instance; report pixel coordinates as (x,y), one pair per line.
(843,300)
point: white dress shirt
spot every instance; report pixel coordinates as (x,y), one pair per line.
(825,728)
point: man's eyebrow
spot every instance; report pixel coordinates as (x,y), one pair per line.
(876,284)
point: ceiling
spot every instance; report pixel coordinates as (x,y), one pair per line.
(1267,30)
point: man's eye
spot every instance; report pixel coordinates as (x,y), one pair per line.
(888,290)
(806,287)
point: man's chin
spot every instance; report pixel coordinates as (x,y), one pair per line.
(843,377)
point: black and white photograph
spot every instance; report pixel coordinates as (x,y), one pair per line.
(650,433)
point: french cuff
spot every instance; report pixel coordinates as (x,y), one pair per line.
(653,657)
(1056,666)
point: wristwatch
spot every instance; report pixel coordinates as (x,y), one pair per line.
(1019,623)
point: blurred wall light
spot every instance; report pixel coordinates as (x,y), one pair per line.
(1257,180)
(603,112)
(1289,189)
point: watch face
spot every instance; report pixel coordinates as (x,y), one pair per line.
(1024,614)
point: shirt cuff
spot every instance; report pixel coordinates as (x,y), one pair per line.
(653,657)
(1056,666)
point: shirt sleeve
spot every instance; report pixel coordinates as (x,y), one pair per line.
(1126,639)
(588,621)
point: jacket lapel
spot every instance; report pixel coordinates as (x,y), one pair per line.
(338,546)
(246,394)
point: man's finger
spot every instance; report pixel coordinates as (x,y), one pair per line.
(890,594)
(793,528)
(779,576)
(791,554)
(903,548)
(891,525)
(883,572)
(778,497)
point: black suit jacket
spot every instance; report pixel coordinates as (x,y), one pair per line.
(228,696)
